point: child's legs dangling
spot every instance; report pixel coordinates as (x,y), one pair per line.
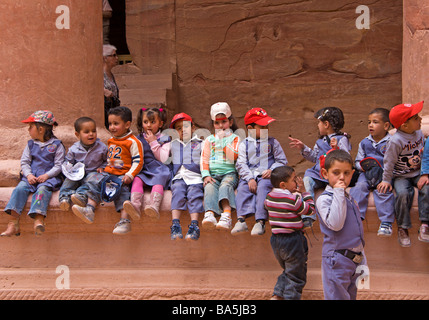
(156,195)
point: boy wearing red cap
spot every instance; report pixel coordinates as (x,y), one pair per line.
(186,183)
(258,155)
(402,162)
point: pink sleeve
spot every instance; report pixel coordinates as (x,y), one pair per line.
(161,152)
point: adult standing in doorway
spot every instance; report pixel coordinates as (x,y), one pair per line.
(111,90)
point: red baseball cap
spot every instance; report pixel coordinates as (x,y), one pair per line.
(258,116)
(42,116)
(180,116)
(402,112)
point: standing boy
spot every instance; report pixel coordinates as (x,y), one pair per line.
(341,225)
(402,163)
(287,240)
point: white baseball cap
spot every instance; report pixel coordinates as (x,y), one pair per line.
(220,107)
(73,172)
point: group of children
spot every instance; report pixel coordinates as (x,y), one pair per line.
(219,174)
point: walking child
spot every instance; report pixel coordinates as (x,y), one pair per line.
(330,122)
(369,161)
(187,183)
(288,242)
(402,162)
(40,173)
(341,225)
(84,159)
(258,156)
(218,158)
(154,174)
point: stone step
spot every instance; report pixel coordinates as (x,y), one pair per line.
(140,81)
(146,264)
(142,96)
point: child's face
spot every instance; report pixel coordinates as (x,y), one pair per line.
(117,126)
(87,133)
(36,133)
(323,127)
(151,125)
(339,174)
(377,127)
(412,124)
(259,131)
(185,129)
(222,122)
(290,184)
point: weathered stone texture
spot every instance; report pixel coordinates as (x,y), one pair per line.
(291,58)
(415,78)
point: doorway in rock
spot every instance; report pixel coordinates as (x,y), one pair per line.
(117,34)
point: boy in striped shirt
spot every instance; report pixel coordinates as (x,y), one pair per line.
(287,240)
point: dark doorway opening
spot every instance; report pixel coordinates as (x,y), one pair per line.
(117,34)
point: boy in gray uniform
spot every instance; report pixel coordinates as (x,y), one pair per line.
(402,162)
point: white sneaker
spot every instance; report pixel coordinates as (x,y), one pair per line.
(86,214)
(258,229)
(122,227)
(239,228)
(209,222)
(225,223)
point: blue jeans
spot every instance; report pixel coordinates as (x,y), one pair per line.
(384,202)
(39,201)
(310,185)
(222,188)
(82,187)
(291,251)
(404,188)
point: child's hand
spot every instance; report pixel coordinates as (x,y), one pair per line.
(100,170)
(334,143)
(300,185)
(253,186)
(424,180)
(266,174)
(383,187)
(295,143)
(150,137)
(207,180)
(126,180)
(42,178)
(31,179)
(340,184)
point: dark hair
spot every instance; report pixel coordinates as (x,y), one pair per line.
(337,155)
(234,126)
(281,174)
(384,113)
(160,110)
(123,112)
(49,130)
(334,116)
(78,123)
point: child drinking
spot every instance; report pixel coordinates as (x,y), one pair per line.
(150,122)
(40,173)
(218,158)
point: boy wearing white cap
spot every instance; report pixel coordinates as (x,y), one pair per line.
(218,158)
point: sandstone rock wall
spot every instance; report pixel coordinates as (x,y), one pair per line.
(291,58)
(42,66)
(415,77)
